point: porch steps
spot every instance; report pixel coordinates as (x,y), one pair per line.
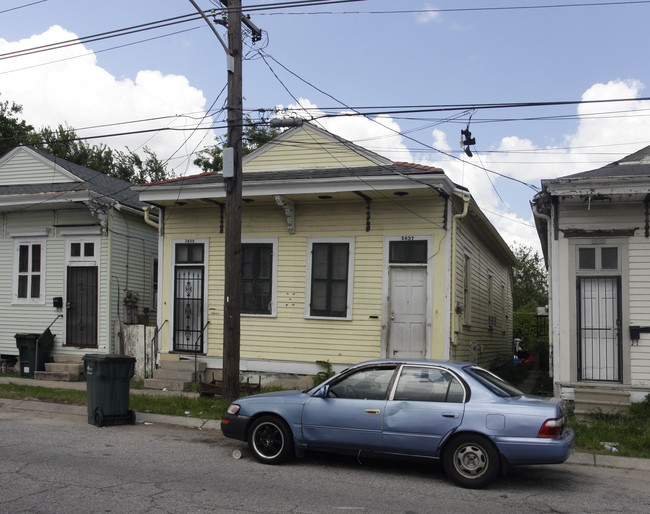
(175,375)
(65,368)
(590,400)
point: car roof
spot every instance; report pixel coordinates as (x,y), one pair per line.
(422,362)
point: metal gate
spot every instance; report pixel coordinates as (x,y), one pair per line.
(599,328)
(81,312)
(188,309)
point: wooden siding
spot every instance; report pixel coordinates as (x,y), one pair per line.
(129,265)
(133,245)
(290,336)
(24,168)
(29,318)
(307,150)
(635,278)
(491,344)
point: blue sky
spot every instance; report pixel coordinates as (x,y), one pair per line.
(365,54)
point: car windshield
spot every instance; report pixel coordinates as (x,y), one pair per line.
(496,384)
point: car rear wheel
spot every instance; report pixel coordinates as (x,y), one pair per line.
(270,440)
(471,461)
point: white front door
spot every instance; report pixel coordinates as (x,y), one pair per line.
(407,312)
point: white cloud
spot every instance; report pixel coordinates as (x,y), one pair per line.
(429,14)
(380,134)
(69,87)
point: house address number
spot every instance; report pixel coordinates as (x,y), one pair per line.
(189,241)
(408,238)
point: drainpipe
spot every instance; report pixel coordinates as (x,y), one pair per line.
(452,309)
(147,219)
(551,286)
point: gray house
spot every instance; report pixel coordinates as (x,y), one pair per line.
(76,254)
(595,233)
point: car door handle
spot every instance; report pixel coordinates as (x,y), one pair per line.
(372,411)
(449,415)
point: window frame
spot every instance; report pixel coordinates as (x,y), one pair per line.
(453,378)
(29,242)
(273,241)
(350,241)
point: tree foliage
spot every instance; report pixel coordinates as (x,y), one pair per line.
(530,280)
(211,158)
(12,129)
(64,143)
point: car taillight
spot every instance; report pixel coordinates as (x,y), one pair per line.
(552,428)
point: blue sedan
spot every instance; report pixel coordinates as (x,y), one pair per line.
(474,422)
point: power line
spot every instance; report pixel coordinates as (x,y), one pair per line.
(22,6)
(269,7)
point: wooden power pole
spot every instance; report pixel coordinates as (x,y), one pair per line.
(233,185)
(232,177)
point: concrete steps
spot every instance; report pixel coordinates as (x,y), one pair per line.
(594,399)
(65,368)
(175,375)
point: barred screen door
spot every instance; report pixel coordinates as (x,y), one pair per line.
(188,309)
(188,296)
(599,334)
(81,312)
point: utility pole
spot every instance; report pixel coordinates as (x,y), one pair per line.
(233,185)
(232,178)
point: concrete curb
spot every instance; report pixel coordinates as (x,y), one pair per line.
(141,417)
(609,461)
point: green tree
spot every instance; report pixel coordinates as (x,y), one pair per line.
(211,157)
(13,131)
(530,282)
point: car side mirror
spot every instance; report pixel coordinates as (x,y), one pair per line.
(323,392)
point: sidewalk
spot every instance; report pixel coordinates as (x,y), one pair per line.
(583,459)
(144,417)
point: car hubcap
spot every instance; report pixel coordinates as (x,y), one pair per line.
(268,440)
(471,461)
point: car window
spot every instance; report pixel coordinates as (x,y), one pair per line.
(367,383)
(426,384)
(496,384)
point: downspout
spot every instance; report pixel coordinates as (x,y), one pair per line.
(551,287)
(452,306)
(147,219)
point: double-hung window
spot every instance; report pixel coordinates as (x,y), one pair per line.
(330,280)
(29,263)
(257,278)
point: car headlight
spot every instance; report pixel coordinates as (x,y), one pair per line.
(233,409)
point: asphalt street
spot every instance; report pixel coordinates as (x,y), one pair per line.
(54,461)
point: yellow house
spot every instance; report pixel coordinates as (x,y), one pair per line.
(346,256)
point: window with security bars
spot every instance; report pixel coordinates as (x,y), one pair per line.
(257,278)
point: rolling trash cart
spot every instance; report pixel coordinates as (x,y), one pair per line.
(34,351)
(107,384)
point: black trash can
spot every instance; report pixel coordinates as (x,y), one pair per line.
(34,351)
(107,384)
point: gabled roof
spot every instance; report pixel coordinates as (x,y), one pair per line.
(65,180)
(634,165)
(310,146)
(627,179)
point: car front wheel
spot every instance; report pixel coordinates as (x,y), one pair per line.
(270,440)
(471,461)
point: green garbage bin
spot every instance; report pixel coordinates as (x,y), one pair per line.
(107,384)
(34,351)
